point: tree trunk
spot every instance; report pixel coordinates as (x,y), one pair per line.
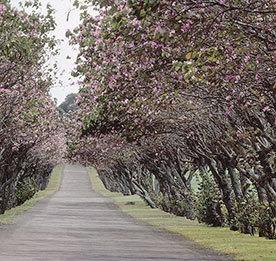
(224,184)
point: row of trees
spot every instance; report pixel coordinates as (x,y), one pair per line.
(178,105)
(31,135)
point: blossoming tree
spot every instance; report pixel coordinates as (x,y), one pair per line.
(31,136)
(178,89)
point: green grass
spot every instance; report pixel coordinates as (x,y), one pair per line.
(241,246)
(53,185)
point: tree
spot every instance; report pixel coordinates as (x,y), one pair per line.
(31,136)
(181,86)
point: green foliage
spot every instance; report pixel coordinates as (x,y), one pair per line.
(92,122)
(32,111)
(208,207)
(267,222)
(248,213)
(69,105)
(25,189)
(143,8)
(71,146)
(178,206)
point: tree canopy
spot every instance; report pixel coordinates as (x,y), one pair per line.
(31,135)
(175,91)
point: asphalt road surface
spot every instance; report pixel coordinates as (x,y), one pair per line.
(78,224)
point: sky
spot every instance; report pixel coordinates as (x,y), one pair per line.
(65,66)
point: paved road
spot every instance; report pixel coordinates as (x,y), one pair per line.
(78,224)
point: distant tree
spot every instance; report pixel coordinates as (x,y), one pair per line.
(69,104)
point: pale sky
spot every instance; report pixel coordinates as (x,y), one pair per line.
(68,85)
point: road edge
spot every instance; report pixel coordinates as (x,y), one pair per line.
(234,250)
(53,186)
(99,188)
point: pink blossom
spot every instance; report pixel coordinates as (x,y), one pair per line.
(5,91)
(228,98)
(186,26)
(3,9)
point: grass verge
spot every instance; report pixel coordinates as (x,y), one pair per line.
(241,246)
(53,186)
